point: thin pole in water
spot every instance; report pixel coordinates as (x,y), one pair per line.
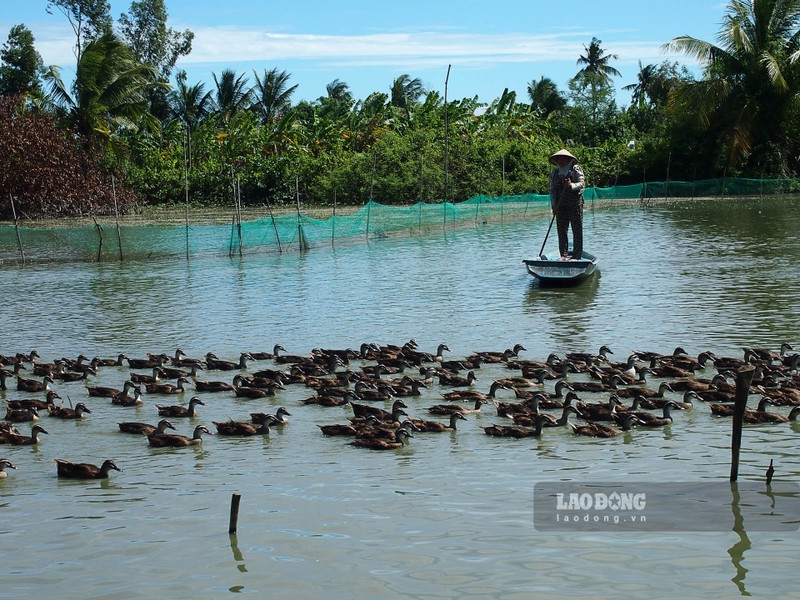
(744,377)
(16,228)
(333,220)
(274,226)
(446,140)
(301,238)
(503,193)
(116,213)
(100,234)
(186,191)
(234,518)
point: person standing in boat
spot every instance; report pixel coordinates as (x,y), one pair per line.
(566,201)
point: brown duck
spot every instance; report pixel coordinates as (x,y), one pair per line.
(26,440)
(602,430)
(163,440)
(176,410)
(5,464)
(65,412)
(242,429)
(71,470)
(145,428)
(517,431)
(400,437)
(438,426)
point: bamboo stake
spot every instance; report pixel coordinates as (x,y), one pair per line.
(234,518)
(186,192)
(239,213)
(274,226)
(116,214)
(99,233)
(744,377)
(333,221)
(16,228)
(301,238)
(446,140)
(369,212)
(233,229)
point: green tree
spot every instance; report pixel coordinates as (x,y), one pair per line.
(110,92)
(641,91)
(231,94)
(20,64)
(406,91)
(153,43)
(189,104)
(272,95)
(88,18)
(750,83)
(145,31)
(596,63)
(545,97)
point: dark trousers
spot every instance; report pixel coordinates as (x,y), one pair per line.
(570,214)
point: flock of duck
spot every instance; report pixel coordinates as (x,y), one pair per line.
(394,376)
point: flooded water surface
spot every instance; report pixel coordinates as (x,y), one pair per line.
(450,515)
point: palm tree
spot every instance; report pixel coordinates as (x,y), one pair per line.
(596,62)
(545,97)
(641,91)
(406,91)
(339,90)
(231,94)
(750,77)
(272,96)
(189,104)
(110,91)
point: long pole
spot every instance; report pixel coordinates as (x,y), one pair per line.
(233,522)
(239,212)
(186,189)
(446,140)
(300,235)
(274,226)
(16,229)
(546,235)
(744,377)
(116,213)
(99,233)
(333,220)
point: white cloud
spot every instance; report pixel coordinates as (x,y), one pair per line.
(231,45)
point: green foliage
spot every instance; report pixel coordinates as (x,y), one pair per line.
(152,42)
(406,144)
(750,84)
(20,64)
(89,20)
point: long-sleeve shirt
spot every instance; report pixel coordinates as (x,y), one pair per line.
(577,184)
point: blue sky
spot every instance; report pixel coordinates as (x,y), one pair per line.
(490,45)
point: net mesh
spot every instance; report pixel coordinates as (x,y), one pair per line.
(158,233)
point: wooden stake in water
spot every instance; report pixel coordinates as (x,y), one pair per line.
(16,229)
(234,520)
(100,234)
(116,214)
(274,226)
(744,377)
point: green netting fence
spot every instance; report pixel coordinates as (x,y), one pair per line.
(230,232)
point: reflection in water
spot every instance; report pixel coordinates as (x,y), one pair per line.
(237,554)
(568,310)
(737,551)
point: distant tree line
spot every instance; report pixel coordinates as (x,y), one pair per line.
(131,118)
